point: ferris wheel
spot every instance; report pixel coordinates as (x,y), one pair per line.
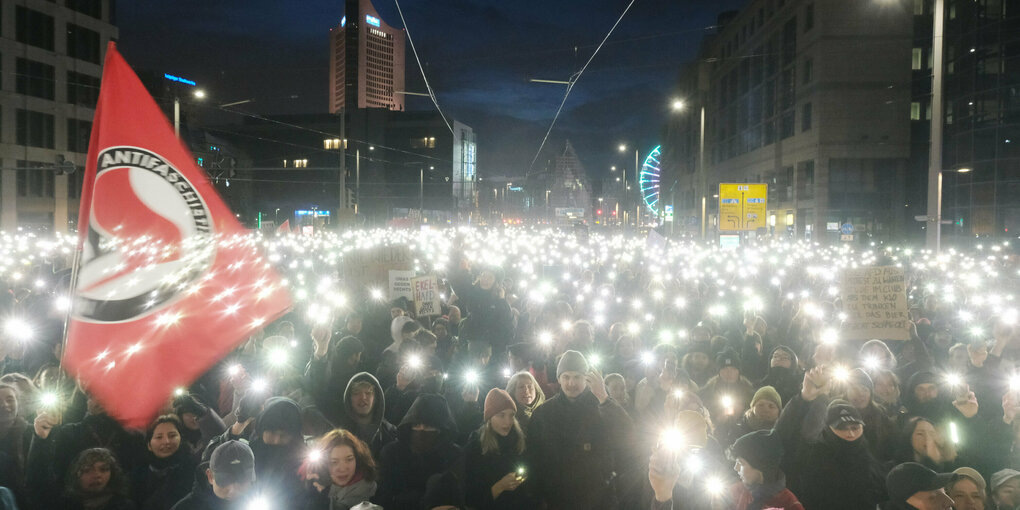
(649,180)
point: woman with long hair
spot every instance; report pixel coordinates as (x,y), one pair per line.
(169,470)
(527,395)
(494,458)
(342,473)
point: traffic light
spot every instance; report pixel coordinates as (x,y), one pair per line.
(598,212)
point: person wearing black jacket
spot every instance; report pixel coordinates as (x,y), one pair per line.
(424,448)
(482,301)
(494,459)
(169,471)
(828,463)
(331,367)
(54,446)
(575,437)
(96,482)
(224,481)
(784,374)
(364,405)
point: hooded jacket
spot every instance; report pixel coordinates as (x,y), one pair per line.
(573,446)
(786,381)
(276,466)
(379,432)
(407,464)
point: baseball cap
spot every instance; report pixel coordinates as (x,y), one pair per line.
(232,462)
(966,472)
(1003,476)
(909,478)
(840,414)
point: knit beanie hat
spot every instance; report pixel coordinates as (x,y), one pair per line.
(572,361)
(496,402)
(767,393)
(859,376)
(349,346)
(761,449)
(728,358)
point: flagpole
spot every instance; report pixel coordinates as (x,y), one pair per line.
(62,374)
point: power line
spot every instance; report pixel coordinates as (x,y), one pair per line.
(425,78)
(570,86)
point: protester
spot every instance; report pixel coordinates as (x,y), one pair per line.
(967,489)
(494,462)
(762,484)
(913,486)
(169,471)
(96,482)
(424,447)
(828,461)
(576,435)
(364,405)
(342,475)
(527,395)
(225,481)
(1005,489)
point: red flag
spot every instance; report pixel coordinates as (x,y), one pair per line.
(168,281)
(284,228)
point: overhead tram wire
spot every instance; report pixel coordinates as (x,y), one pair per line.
(432,94)
(570,86)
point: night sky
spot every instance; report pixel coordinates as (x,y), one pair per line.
(479,55)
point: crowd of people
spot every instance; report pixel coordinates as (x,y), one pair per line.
(608,372)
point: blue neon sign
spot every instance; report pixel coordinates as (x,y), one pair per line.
(178,79)
(371,20)
(343,22)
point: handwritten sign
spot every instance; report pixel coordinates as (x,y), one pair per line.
(362,269)
(425,291)
(400,284)
(875,302)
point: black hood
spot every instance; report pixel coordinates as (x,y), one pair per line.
(793,355)
(432,410)
(280,413)
(932,409)
(378,405)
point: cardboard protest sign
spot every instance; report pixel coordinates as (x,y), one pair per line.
(425,291)
(875,302)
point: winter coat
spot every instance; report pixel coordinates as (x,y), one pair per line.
(379,432)
(49,459)
(336,497)
(825,471)
(117,502)
(162,482)
(482,471)
(276,466)
(489,316)
(879,430)
(327,379)
(202,497)
(573,445)
(786,381)
(767,495)
(405,472)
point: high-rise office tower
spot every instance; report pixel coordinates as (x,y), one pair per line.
(366,61)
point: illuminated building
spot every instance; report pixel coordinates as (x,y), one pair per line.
(366,61)
(52,62)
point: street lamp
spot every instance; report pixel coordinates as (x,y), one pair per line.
(678,105)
